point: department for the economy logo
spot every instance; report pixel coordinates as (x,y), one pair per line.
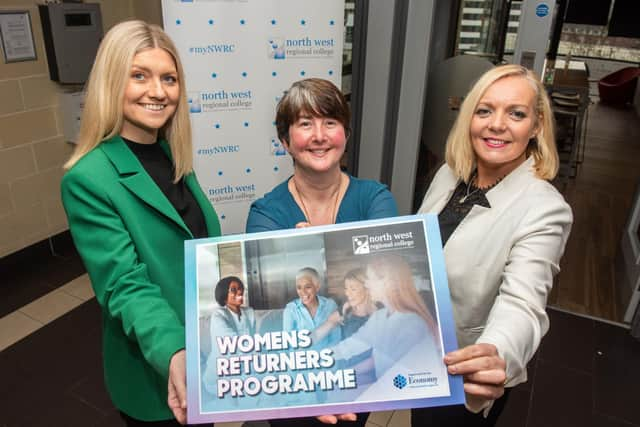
(422,379)
(220,100)
(399,381)
(416,380)
(279,47)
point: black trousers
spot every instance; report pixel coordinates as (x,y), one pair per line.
(458,416)
(313,422)
(132,422)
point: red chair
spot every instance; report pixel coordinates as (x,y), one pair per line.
(619,87)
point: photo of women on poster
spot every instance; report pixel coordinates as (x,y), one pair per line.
(314,324)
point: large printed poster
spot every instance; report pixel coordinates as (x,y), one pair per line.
(239,56)
(344,318)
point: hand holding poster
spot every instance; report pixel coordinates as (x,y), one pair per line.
(344,318)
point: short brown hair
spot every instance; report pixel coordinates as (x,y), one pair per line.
(316,97)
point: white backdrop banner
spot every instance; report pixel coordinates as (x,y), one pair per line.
(239,57)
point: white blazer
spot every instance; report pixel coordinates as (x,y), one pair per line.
(501,262)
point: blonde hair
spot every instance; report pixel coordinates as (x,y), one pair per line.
(459,153)
(359,276)
(400,289)
(102,116)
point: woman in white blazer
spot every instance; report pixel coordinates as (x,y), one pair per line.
(504,228)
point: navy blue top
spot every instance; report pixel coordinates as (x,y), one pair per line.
(364,199)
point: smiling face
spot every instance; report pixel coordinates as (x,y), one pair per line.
(503,123)
(235,297)
(307,290)
(316,143)
(151,95)
(355,292)
(375,283)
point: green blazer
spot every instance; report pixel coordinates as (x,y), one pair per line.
(131,240)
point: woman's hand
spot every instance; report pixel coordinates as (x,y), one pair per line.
(303,224)
(345,308)
(335,319)
(177,399)
(333,419)
(323,330)
(482,368)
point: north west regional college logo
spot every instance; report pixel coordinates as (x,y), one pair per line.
(300,48)
(193,99)
(360,244)
(220,100)
(276,48)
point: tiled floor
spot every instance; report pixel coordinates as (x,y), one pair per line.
(601,196)
(36,271)
(44,310)
(586,372)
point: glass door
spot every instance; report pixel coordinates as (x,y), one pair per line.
(487,28)
(355,12)
(347,52)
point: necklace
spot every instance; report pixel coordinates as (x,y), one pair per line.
(462,199)
(304,206)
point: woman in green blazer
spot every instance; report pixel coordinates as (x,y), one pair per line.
(132,199)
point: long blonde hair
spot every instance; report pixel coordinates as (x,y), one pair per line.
(400,289)
(459,150)
(102,116)
(359,276)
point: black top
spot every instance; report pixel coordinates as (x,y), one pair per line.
(352,323)
(160,169)
(458,206)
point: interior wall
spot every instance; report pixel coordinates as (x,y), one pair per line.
(32,148)
(636,99)
(375,97)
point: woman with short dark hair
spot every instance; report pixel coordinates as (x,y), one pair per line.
(313,125)
(230,318)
